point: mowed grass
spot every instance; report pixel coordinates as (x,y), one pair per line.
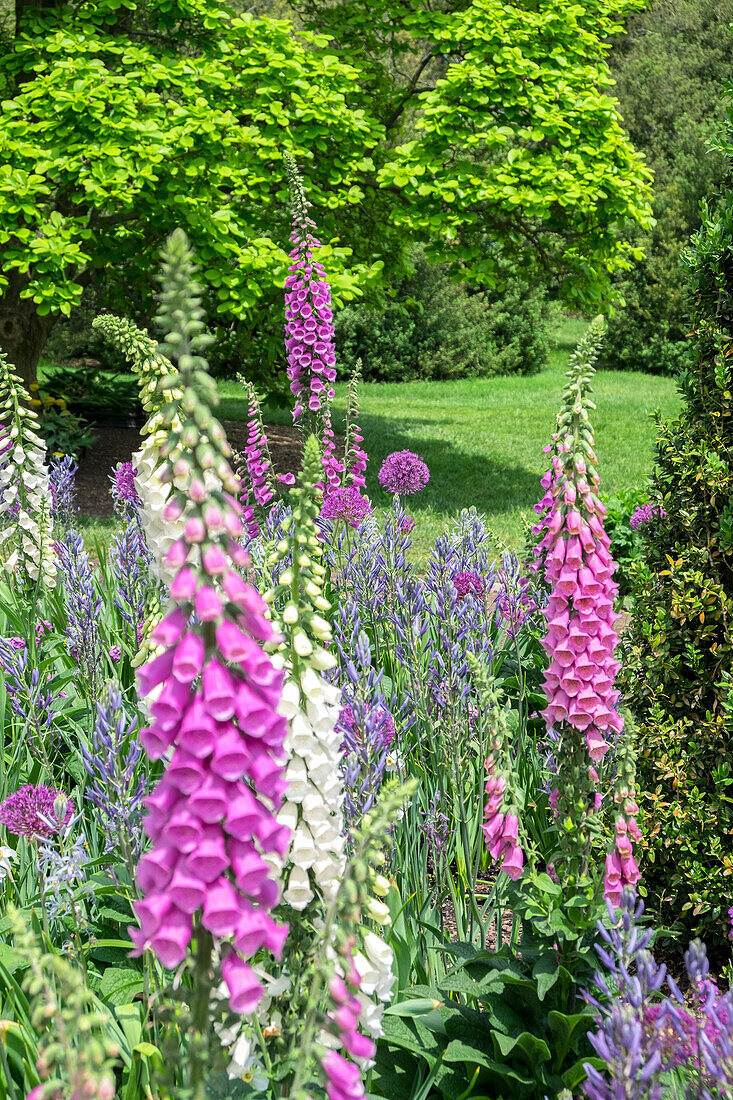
(482,438)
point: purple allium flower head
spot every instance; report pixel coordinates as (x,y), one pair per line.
(309,337)
(645,515)
(403,472)
(347,503)
(115,652)
(30,812)
(468,582)
(406,524)
(122,487)
(43,626)
(16,642)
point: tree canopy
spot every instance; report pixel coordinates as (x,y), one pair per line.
(478,127)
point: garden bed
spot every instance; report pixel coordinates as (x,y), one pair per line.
(117,444)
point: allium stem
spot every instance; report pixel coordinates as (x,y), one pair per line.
(42,891)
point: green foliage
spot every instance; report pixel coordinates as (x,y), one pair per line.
(681,633)
(625,541)
(507,1022)
(64,433)
(686,771)
(93,391)
(434,328)
(495,114)
(670,70)
(115,130)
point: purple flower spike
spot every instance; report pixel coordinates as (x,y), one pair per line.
(116,784)
(62,483)
(646,515)
(403,472)
(30,812)
(122,488)
(309,337)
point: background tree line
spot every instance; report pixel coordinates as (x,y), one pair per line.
(432,180)
(481,136)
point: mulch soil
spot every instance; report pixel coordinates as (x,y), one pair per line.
(117,444)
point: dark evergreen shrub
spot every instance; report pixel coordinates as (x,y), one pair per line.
(680,641)
(435,328)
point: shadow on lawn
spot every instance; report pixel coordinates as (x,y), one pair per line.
(457,479)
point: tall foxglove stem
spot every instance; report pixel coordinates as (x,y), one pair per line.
(214,698)
(309,338)
(580,639)
(25,494)
(355,457)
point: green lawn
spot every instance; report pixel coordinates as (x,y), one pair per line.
(482,438)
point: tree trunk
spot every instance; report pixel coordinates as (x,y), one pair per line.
(23,333)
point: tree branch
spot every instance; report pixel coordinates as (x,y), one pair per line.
(411,89)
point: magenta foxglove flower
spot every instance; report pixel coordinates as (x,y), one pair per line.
(343,1078)
(211,817)
(309,336)
(403,472)
(332,468)
(257,454)
(581,639)
(30,812)
(346,503)
(501,830)
(213,697)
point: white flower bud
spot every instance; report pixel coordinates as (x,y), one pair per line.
(381,886)
(301,644)
(379,912)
